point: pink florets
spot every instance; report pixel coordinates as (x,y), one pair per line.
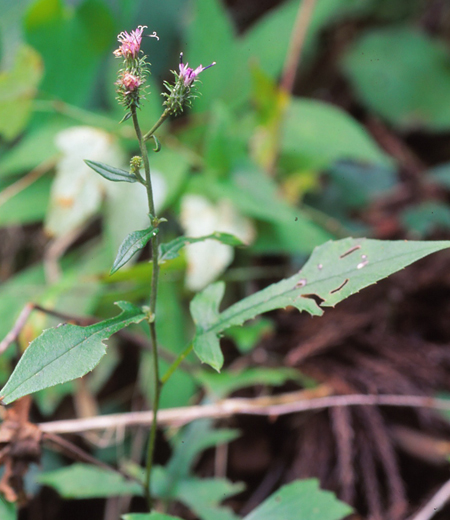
(131,82)
(130,43)
(189,75)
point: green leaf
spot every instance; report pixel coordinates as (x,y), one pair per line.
(316,134)
(335,271)
(301,500)
(65,353)
(203,497)
(246,338)
(8,510)
(110,172)
(382,67)
(150,516)
(17,90)
(133,243)
(205,313)
(426,217)
(26,206)
(171,250)
(227,381)
(85,481)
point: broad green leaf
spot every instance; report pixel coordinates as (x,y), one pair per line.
(203,497)
(149,516)
(17,90)
(205,313)
(110,172)
(316,134)
(85,481)
(190,443)
(8,510)
(65,353)
(171,249)
(26,206)
(335,271)
(227,381)
(382,67)
(257,196)
(301,500)
(246,338)
(70,40)
(423,219)
(133,243)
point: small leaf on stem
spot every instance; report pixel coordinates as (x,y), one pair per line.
(110,172)
(133,243)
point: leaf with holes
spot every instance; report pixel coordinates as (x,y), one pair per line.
(171,250)
(335,271)
(133,243)
(65,353)
(110,172)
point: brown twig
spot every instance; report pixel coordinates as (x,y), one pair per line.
(292,402)
(74,452)
(296,45)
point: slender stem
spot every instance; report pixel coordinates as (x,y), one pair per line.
(176,363)
(158,123)
(153,296)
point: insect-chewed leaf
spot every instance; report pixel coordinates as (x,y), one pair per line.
(133,243)
(171,250)
(335,271)
(65,353)
(110,172)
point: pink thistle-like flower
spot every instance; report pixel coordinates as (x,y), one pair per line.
(130,43)
(189,75)
(130,82)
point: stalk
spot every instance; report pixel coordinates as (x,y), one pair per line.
(153,296)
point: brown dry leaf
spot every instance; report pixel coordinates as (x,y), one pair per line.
(20,444)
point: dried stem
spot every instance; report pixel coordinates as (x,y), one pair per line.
(292,402)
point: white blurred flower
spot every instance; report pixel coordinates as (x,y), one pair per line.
(207,260)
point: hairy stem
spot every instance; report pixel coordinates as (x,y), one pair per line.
(153,296)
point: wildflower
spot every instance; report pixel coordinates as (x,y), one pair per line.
(183,91)
(130,82)
(130,85)
(130,43)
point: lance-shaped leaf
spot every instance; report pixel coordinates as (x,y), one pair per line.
(171,250)
(133,243)
(335,271)
(110,172)
(301,500)
(205,313)
(65,353)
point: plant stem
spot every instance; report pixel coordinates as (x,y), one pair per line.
(153,296)
(176,363)
(158,123)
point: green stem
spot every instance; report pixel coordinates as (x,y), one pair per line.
(153,296)
(158,123)
(176,363)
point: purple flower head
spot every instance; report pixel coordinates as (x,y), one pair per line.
(189,75)
(130,43)
(131,82)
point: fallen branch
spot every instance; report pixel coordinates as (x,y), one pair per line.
(293,402)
